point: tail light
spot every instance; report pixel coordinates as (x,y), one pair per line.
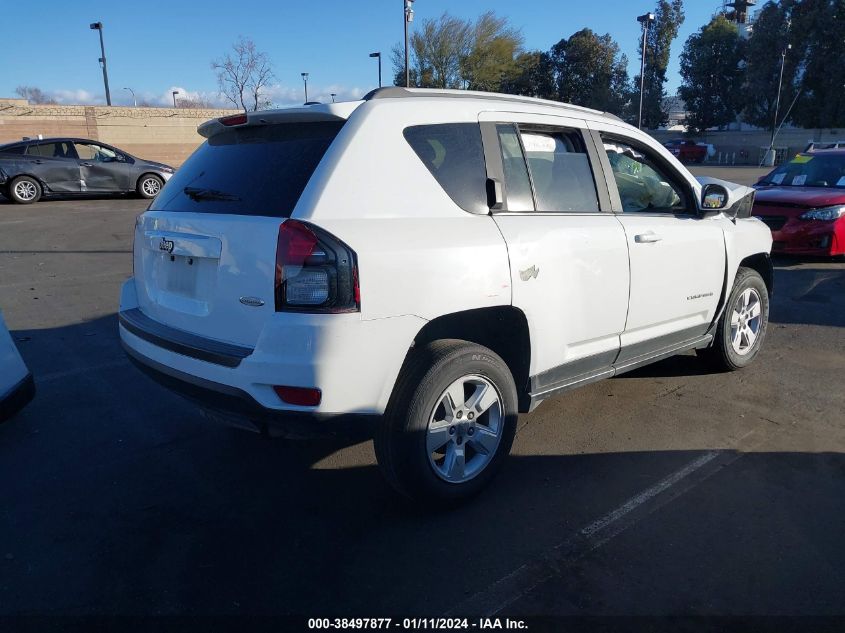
(233,119)
(315,271)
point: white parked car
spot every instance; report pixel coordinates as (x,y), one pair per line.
(433,263)
(16,384)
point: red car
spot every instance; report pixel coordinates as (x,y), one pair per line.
(803,203)
(687,151)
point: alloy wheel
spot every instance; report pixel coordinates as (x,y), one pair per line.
(746,321)
(25,190)
(465,429)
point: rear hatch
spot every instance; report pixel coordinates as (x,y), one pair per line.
(205,250)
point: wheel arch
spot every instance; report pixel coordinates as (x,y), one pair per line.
(762,263)
(503,329)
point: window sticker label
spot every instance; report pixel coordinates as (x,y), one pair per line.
(841,182)
(778,178)
(801,159)
(799,180)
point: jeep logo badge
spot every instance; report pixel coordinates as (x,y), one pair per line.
(166,245)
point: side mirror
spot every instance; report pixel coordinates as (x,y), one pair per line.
(714,197)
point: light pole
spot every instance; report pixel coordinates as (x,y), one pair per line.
(134,100)
(645,20)
(305,81)
(333,95)
(770,155)
(98,26)
(175,92)
(379,66)
(409,17)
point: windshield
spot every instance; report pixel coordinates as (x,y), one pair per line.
(253,170)
(809,170)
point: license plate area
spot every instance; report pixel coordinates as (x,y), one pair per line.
(180,274)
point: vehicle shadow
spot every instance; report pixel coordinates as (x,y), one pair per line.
(120,499)
(810,296)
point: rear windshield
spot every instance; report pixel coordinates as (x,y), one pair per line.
(255,170)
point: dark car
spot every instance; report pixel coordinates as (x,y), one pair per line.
(66,166)
(686,151)
(803,202)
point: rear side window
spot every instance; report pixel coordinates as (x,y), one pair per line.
(254,170)
(453,154)
(15,149)
(61,149)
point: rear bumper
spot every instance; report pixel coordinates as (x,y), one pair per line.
(17,397)
(236,407)
(353,362)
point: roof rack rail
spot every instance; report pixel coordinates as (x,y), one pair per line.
(398,92)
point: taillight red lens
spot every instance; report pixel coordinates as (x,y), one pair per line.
(315,272)
(300,396)
(233,119)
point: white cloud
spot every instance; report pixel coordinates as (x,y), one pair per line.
(279,95)
(76,97)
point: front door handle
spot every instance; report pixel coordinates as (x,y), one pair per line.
(647,238)
(86,164)
(38,162)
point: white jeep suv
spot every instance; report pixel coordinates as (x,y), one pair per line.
(426,265)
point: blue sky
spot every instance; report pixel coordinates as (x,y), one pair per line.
(155,47)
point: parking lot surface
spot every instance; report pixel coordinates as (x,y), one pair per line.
(666,491)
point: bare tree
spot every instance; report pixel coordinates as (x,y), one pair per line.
(243,75)
(200,103)
(34,95)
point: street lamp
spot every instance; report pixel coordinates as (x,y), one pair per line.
(333,95)
(134,100)
(98,26)
(379,66)
(645,20)
(305,81)
(409,17)
(174,93)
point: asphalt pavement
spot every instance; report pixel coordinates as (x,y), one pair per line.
(667,491)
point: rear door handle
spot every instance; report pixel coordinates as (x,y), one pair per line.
(38,162)
(647,238)
(86,164)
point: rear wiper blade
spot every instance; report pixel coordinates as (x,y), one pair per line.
(196,194)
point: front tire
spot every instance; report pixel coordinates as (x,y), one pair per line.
(149,185)
(742,327)
(25,190)
(450,423)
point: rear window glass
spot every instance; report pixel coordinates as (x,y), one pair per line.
(255,170)
(453,154)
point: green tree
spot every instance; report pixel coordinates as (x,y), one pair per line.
(531,76)
(669,18)
(711,70)
(762,66)
(590,71)
(818,41)
(450,52)
(493,46)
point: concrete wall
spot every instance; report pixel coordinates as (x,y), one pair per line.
(168,135)
(746,147)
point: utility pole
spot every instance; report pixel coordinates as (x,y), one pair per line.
(645,20)
(305,81)
(98,26)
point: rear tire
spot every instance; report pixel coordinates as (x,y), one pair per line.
(149,185)
(24,190)
(742,327)
(450,423)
